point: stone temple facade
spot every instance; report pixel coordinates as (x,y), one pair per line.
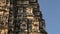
(21,17)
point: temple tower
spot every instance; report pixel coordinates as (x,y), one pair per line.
(21,17)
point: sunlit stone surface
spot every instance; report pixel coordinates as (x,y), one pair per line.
(21,17)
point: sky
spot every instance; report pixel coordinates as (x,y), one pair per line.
(51,13)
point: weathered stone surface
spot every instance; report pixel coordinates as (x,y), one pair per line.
(21,17)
